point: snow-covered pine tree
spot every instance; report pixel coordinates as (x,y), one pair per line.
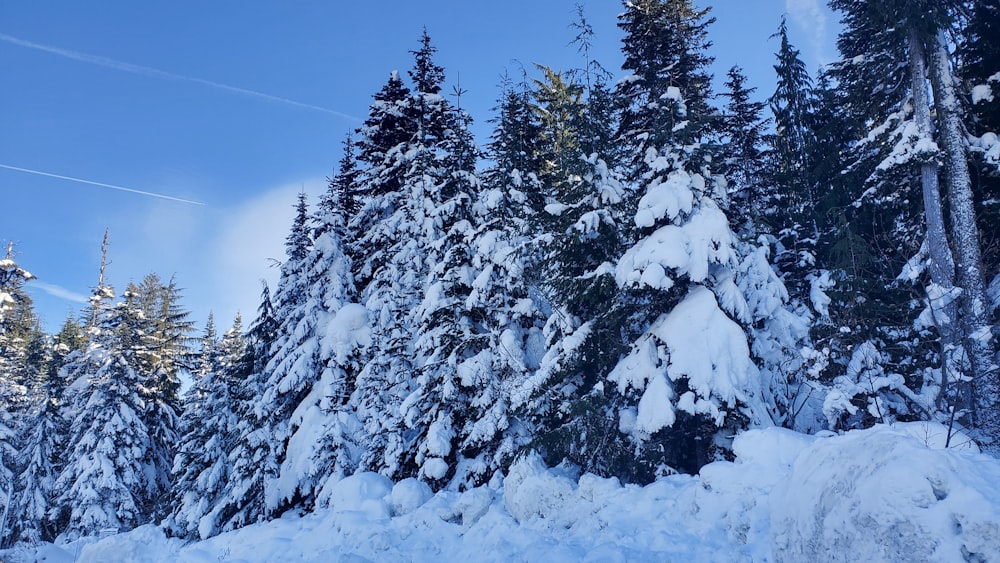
(166,353)
(970,272)
(893,48)
(979,53)
(331,439)
(689,372)
(794,208)
(208,352)
(18,326)
(504,344)
(384,263)
(293,364)
(251,460)
(14,306)
(107,480)
(202,466)
(380,140)
(39,468)
(323,436)
(396,264)
(576,237)
(871,221)
(440,407)
(791,105)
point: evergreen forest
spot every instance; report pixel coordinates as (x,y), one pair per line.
(626,275)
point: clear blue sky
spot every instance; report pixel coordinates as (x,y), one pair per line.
(238,105)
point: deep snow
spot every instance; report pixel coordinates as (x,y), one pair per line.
(883,494)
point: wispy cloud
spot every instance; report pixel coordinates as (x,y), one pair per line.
(249,244)
(100,184)
(58,291)
(811,18)
(156,73)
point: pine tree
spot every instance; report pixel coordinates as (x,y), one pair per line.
(166,353)
(973,302)
(208,354)
(397,261)
(742,165)
(666,97)
(380,149)
(894,49)
(578,240)
(202,466)
(15,310)
(439,405)
(317,361)
(680,271)
(293,362)
(39,466)
(18,325)
(328,444)
(108,481)
(252,461)
(979,54)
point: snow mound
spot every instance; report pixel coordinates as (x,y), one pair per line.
(883,494)
(409,495)
(887,494)
(532,491)
(369,493)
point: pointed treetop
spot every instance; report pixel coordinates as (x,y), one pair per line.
(341,198)
(211,335)
(298,241)
(427,77)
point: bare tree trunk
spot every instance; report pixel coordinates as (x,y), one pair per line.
(965,235)
(941,293)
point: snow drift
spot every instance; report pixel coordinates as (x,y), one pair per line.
(883,494)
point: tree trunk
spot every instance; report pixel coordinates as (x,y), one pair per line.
(965,235)
(941,293)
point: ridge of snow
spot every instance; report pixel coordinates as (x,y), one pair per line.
(888,493)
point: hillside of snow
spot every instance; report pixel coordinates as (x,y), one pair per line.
(883,494)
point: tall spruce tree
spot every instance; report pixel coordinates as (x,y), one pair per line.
(744,130)
(108,480)
(293,362)
(253,466)
(14,306)
(683,264)
(202,466)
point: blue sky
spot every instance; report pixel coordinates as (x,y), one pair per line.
(238,105)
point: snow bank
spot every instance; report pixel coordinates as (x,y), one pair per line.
(884,494)
(890,496)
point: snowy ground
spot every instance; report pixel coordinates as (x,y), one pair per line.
(885,494)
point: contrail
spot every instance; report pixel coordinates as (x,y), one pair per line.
(147,71)
(103,185)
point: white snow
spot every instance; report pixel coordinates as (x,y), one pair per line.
(689,249)
(817,292)
(700,344)
(877,495)
(982,93)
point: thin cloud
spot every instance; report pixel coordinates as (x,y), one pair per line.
(156,73)
(810,17)
(101,184)
(249,242)
(58,291)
